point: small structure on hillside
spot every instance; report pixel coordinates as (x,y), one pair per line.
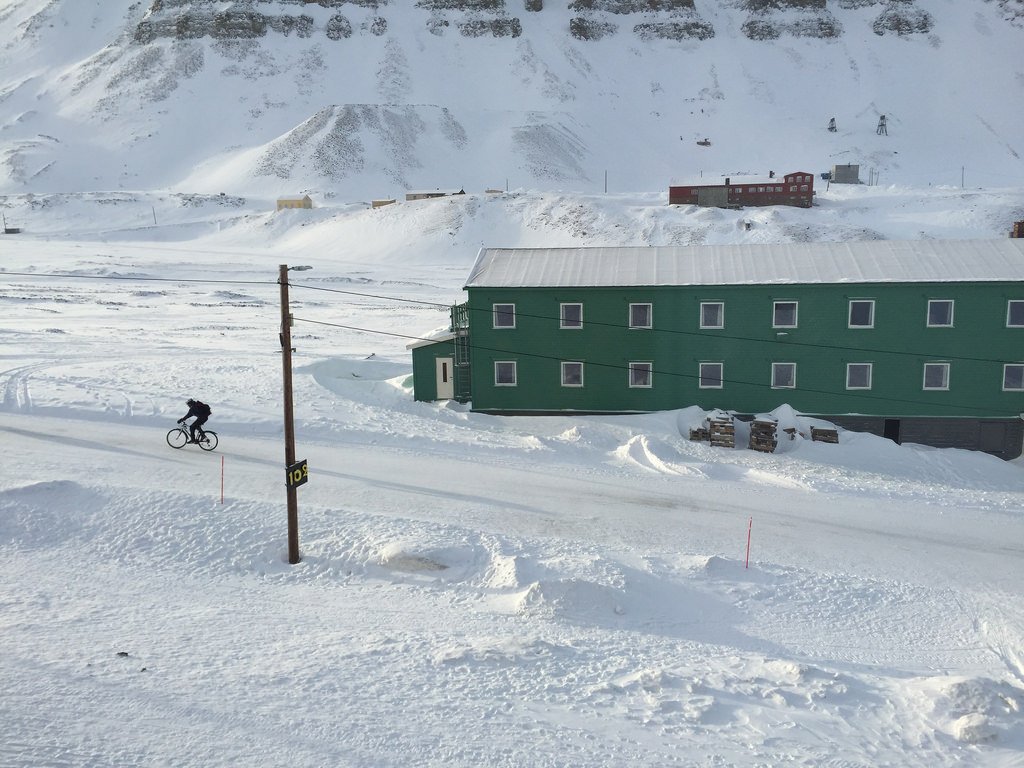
(795,189)
(1018,229)
(382,202)
(427,195)
(10,230)
(845,174)
(294,202)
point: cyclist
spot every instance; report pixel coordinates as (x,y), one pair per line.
(201,411)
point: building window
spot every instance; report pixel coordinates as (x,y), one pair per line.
(783,375)
(936,376)
(504,315)
(640,374)
(858,375)
(711,375)
(940,313)
(1015,314)
(862,313)
(803,187)
(572,374)
(792,188)
(712,314)
(1013,377)
(571,316)
(505,373)
(640,315)
(784,314)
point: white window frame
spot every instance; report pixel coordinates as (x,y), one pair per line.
(779,366)
(565,365)
(945,377)
(871,314)
(720,378)
(928,318)
(775,313)
(1009,313)
(495,314)
(650,314)
(636,367)
(515,374)
(562,323)
(869,366)
(1006,369)
(721,313)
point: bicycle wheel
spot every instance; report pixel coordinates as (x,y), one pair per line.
(177,438)
(208,441)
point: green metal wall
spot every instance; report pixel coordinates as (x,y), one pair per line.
(424,371)
(898,346)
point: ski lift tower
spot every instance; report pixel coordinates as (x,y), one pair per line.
(881,130)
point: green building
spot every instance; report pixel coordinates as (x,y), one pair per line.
(920,341)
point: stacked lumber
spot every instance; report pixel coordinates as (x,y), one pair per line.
(722,431)
(824,435)
(762,435)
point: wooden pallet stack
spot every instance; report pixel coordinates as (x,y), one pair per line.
(824,435)
(699,433)
(722,431)
(762,435)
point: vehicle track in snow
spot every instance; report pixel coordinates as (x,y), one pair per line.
(15,386)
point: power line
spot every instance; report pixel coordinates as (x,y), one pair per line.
(138,278)
(722,336)
(860,394)
(370,295)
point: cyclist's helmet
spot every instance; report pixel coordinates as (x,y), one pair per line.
(190,402)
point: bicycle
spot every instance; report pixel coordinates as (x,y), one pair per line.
(181,436)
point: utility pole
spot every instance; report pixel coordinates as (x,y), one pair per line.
(289,418)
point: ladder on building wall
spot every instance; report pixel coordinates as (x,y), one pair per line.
(462,378)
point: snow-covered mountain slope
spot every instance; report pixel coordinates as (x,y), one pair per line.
(369,99)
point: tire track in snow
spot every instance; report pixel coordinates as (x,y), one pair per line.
(16,393)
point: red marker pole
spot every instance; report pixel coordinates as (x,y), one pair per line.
(750,524)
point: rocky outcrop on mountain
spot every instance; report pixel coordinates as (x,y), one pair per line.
(648,20)
(339,142)
(903,20)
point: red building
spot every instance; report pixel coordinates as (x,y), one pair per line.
(792,189)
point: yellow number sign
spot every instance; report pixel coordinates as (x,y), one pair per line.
(298,473)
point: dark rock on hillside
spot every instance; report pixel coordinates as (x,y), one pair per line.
(903,21)
(590,29)
(759,6)
(338,28)
(673,30)
(461,5)
(661,19)
(493,27)
(632,6)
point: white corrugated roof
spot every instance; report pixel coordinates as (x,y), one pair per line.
(874,261)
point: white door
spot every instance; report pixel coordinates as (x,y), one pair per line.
(445,378)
